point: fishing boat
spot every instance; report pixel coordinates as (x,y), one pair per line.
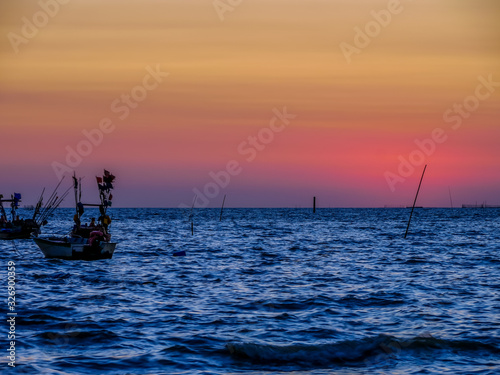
(18,228)
(15,228)
(75,248)
(85,242)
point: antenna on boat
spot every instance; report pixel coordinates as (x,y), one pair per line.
(415,201)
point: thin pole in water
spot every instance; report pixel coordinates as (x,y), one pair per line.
(415,201)
(191,215)
(222,208)
(451,202)
(314,205)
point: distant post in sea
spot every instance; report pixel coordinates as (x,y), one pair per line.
(191,215)
(222,207)
(415,201)
(314,205)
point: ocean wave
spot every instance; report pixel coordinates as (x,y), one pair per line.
(78,337)
(373,300)
(352,352)
(306,354)
(37,319)
(284,304)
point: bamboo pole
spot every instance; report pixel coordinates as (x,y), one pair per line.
(415,200)
(222,207)
(191,215)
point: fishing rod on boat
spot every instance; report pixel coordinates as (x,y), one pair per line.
(38,205)
(53,203)
(52,197)
(50,203)
(50,210)
(54,192)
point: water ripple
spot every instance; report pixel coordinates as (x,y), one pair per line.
(266,291)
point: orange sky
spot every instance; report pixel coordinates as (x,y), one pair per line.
(227,72)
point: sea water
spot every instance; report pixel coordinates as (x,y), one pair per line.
(264,291)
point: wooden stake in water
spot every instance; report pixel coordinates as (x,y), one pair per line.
(415,201)
(451,202)
(222,208)
(191,215)
(314,205)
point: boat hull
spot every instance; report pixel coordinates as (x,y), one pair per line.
(18,233)
(72,249)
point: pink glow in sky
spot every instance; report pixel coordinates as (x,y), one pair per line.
(171,92)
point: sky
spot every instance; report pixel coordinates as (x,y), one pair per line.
(269,102)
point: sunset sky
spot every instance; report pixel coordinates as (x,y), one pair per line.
(207,75)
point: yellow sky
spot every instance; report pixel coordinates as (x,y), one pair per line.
(226,76)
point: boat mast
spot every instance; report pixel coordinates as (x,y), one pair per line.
(2,210)
(15,199)
(75,186)
(105,185)
(14,204)
(12,208)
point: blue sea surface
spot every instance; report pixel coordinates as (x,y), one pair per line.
(264,291)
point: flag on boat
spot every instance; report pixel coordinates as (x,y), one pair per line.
(105,184)
(17,198)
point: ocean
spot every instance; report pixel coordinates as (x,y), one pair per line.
(264,291)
